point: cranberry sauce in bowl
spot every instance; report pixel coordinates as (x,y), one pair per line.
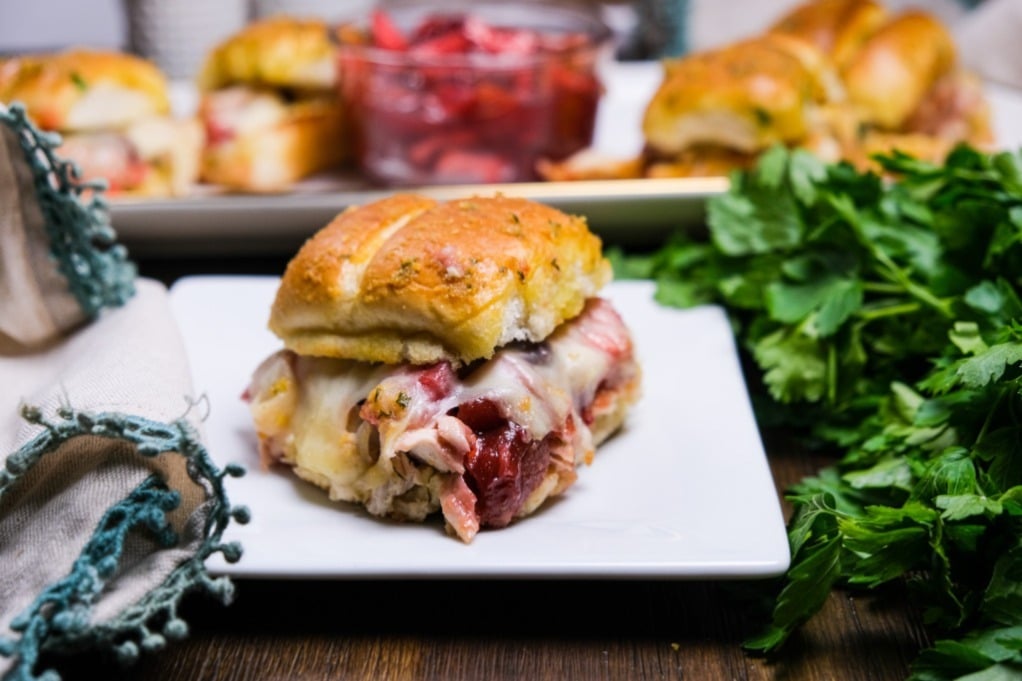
(470,93)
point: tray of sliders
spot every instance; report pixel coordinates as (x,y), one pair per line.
(290,121)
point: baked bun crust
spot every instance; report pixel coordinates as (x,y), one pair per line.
(83,90)
(838,28)
(275,52)
(408,279)
(897,66)
(746,96)
(311,138)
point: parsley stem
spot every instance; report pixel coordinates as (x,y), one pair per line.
(880,287)
(888,268)
(918,292)
(989,418)
(871,313)
(832,374)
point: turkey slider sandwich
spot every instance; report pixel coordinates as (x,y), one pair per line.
(450,357)
(904,85)
(270,105)
(112,111)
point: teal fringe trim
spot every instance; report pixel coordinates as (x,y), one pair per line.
(82,241)
(64,606)
(58,620)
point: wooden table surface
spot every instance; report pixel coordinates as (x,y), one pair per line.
(529,629)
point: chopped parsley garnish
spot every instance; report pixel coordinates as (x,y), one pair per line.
(79,81)
(763,117)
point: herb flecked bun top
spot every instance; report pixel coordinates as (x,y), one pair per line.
(747,96)
(409,279)
(82,90)
(274,52)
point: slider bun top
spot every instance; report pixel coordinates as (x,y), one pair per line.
(82,90)
(897,66)
(408,279)
(837,27)
(276,52)
(746,96)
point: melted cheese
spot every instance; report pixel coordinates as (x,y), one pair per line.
(241,110)
(106,106)
(315,413)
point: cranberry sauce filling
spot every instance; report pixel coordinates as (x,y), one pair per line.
(504,467)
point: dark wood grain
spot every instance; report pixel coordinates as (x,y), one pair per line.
(478,630)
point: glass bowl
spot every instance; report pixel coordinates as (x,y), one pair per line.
(469,92)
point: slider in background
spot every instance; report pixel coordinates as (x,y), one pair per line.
(270,106)
(844,79)
(905,87)
(113,112)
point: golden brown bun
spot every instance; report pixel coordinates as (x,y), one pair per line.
(407,279)
(746,96)
(275,52)
(888,78)
(842,79)
(836,27)
(313,137)
(84,89)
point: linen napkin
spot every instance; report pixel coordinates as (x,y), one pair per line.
(109,503)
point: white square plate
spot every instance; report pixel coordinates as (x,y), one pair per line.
(683,491)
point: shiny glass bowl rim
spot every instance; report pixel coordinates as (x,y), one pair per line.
(571,21)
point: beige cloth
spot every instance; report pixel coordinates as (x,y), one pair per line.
(130,360)
(35,305)
(82,392)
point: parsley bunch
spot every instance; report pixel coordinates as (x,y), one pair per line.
(883,319)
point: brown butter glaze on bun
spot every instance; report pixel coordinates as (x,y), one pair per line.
(895,68)
(746,97)
(838,28)
(275,52)
(410,279)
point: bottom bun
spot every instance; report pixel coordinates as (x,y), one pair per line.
(156,156)
(172,148)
